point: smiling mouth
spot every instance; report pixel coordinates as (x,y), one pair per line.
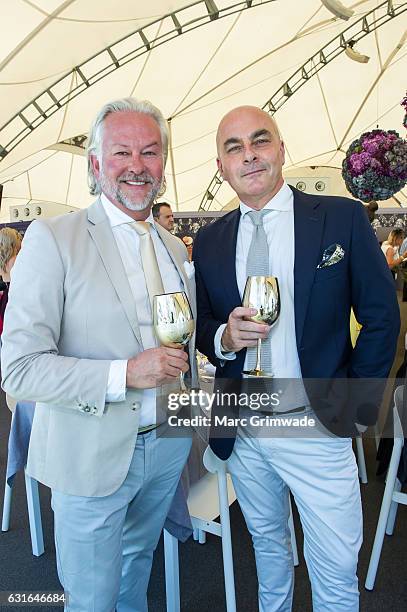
(254,172)
(136,183)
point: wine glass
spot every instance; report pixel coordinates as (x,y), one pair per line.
(173,322)
(262,293)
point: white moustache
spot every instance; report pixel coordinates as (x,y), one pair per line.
(136,179)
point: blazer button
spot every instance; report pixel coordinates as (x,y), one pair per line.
(135,405)
(87,409)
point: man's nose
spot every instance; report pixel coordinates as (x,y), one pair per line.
(249,154)
(136,163)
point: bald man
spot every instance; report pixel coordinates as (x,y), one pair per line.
(327,260)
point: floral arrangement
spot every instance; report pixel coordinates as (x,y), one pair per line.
(375,166)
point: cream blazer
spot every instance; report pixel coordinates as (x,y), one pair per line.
(70,313)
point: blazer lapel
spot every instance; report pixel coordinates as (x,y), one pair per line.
(308,231)
(101,232)
(178,261)
(228,230)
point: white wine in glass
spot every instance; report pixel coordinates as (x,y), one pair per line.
(262,293)
(173,322)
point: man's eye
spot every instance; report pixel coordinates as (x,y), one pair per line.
(122,153)
(150,153)
(261,141)
(233,149)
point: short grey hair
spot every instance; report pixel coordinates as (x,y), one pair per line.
(120,106)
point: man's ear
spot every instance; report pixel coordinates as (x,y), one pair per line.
(95,165)
(282,150)
(219,164)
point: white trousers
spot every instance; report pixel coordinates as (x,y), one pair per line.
(322,475)
(105,545)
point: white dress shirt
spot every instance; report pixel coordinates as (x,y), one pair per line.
(128,243)
(279,228)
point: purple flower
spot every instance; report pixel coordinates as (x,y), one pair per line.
(371,146)
(375,166)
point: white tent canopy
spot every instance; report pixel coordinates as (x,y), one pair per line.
(195,76)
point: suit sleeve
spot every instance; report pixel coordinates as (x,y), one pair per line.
(207,324)
(374,302)
(376,309)
(32,367)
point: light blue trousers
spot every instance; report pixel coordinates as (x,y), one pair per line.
(105,545)
(322,475)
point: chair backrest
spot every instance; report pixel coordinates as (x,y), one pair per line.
(203,498)
(397,411)
(212,462)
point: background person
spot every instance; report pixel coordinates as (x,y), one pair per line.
(390,248)
(189,243)
(80,342)
(163,215)
(10,245)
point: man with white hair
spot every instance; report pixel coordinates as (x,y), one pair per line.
(81,344)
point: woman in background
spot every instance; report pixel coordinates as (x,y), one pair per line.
(10,245)
(390,248)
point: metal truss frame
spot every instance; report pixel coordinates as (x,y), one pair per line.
(111,58)
(353,34)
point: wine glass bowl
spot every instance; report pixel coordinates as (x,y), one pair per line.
(172,319)
(263,294)
(173,322)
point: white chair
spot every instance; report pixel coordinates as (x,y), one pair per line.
(392,495)
(361,460)
(209,498)
(34,510)
(34,513)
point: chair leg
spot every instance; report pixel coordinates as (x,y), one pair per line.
(226,543)
(34,515)
(361,460)
(5,523)
(383,516)
(201,536)
(292,533)
(393,510)
(171,562)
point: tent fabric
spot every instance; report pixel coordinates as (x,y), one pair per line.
(194,78)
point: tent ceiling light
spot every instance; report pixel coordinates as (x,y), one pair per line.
(338,9)
(354,55)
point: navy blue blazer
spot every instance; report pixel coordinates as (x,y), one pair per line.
(322,299)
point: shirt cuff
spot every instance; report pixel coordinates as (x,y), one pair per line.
(220,354)
(116,383)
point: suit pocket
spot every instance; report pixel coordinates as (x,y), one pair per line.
(330,272)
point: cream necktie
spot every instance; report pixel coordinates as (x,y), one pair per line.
(149,262)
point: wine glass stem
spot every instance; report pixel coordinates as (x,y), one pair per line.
(182,383)
(258,359)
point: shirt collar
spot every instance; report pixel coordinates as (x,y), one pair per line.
(282,200)
(118,217)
